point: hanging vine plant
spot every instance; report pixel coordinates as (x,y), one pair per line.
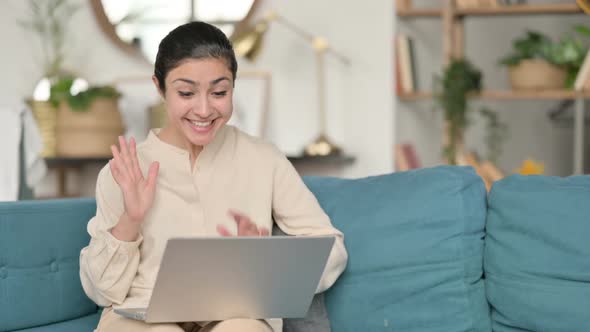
(459,79)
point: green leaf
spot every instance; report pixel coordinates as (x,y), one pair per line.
(582,30)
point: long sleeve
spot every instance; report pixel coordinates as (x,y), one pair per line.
(297,212)
(108,265)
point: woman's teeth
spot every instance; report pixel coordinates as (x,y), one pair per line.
(201,124)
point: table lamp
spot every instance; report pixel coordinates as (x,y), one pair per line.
(248,45)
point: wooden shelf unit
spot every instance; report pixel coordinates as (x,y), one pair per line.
(559,8)
(453,42)
(506,95)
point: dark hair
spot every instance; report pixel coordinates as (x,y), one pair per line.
(194,40)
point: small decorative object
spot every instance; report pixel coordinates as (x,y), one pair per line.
(538,63)
(249,43)
(531,167)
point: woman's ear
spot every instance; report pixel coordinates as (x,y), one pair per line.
(157,85)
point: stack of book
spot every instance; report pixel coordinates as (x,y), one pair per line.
(406,157)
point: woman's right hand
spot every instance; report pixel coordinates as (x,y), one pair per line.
(138,192)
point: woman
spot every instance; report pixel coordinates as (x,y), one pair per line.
(204,178)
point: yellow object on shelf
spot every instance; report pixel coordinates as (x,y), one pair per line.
(585,5)
(531,167)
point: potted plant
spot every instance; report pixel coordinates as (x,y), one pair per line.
(88,122)
(459,80)
(538,63)
(49,20)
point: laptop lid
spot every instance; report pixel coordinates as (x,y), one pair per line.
(205,279)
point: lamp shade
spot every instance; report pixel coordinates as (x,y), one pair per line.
(585,5)
(249,43)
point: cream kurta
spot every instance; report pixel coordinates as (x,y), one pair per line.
(235,171)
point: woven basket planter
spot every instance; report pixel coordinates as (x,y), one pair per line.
(89,133)
(537,75)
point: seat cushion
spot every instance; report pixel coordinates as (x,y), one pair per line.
(537,257)
(83,324)
(415,244)
(316,319)
(40,243)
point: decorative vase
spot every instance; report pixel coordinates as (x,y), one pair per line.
(537,74)
(89,133)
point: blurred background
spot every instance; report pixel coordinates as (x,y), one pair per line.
(343,88)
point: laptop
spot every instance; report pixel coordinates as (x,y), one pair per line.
(210,279)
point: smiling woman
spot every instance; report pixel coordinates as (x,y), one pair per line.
(196,177)
(137,26)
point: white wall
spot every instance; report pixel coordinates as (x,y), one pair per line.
(487,39)
(359,98)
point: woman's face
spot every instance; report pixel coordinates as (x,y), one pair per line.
(198,99)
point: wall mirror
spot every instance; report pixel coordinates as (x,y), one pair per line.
(137,26)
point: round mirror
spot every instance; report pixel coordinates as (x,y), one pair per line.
(137,26)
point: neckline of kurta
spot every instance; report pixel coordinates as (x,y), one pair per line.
(204,158)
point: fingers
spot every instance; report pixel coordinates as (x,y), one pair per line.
(115,171)
(223,231)
(134,162)
(152,175)
(117,165)
(246,227)
(125,157)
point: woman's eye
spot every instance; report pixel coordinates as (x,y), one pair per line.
(185,94)
(220,93)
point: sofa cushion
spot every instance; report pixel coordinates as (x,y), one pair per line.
(537,257)
(83,324)
(316,319)
(415,245)
(40,243)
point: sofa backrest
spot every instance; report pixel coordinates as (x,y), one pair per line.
(40,243)
(537,257)
(415,244)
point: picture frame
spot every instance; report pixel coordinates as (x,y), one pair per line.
(251,101)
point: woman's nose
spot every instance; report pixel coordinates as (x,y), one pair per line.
(202,107)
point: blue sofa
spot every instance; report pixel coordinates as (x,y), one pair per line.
(429,251)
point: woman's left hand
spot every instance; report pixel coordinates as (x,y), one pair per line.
(245,227)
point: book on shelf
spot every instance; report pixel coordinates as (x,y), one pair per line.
(406,157)
(405,66)
(583,78)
